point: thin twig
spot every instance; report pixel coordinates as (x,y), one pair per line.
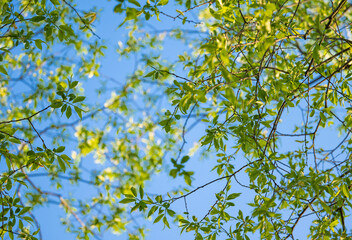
(26,118)
(82,20)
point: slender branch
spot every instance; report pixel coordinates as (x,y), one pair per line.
(196,6)
(26,118)
(179,17)
(82,20)
(37,133)
(63,202)
(213,181)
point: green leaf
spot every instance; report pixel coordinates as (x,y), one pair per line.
(180,12)
(163,2)
(20,224)
(3,70)
(38,43)
(61,35)
(36,232)
(15,140)
(9,184)
(152,210)
(78,111)
(68,112)
(199,236)
(233,196)
(37,18)
(171,212)
(131,13)
(141,192)
(184,159)
(158,218)
(79,99)
(65,157)
(135,2)
(56,104)
(19,175)
(59,149)
(73,84)
(62,164)
(325,206)
(127,200)
(55,2)
(134,192)
(8,163)
(166,223)
(150,74)
(187,179)
(345,191)
(24,210)
(27,219)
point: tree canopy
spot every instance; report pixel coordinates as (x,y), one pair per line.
(258,89)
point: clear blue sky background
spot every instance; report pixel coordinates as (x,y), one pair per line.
(199,203)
